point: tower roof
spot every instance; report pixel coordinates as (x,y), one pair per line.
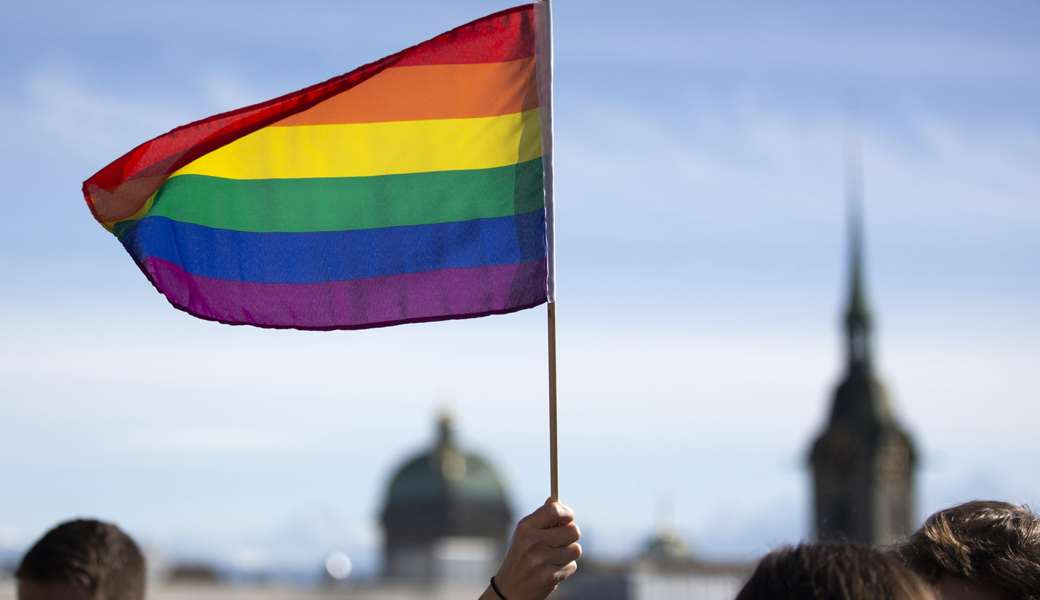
(860,401)
(857,314)
(445,475)
(857,311)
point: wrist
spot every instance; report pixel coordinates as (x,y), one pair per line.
(497,590)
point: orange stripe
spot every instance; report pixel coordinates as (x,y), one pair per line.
(430,92)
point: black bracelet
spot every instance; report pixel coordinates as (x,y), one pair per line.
(495,587)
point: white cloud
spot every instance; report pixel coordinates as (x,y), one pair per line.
(227,91)
(975,180)
(863,42)
(960,390)
(635,174)
(249,559)
(762,172)
(11,538)
(89,123)
(210,440)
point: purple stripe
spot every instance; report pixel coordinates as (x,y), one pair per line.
(358,303)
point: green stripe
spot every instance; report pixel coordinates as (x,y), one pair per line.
(349,203)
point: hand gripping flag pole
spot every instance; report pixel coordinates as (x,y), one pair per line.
(415,188)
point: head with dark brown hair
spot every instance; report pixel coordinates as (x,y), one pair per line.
(83,559)
(833,572)
(994,545)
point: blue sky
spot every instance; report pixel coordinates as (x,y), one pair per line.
(701,256)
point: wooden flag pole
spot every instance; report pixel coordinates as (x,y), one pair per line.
(554,473)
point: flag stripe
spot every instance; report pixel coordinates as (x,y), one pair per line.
(430,92)
(360,303)
(368,149)
(300,258)
(501,37)
(349,203)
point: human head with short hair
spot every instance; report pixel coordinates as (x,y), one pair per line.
(82,560)
(833,572)
(980,549)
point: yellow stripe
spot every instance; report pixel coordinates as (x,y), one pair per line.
(368,149)
(141,212)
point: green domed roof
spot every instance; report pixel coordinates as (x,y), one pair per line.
(446,475)
(442,494)
(666,545)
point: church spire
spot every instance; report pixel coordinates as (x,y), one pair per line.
(857,315)
(863,462)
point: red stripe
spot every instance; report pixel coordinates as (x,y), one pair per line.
(502,37)
(119,190)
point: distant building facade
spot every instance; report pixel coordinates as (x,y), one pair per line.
(863,463)
(664,571)
(446,519)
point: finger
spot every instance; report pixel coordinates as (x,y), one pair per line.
(560,536)
(556,557)
(562,556)
(564,572)
(549,515)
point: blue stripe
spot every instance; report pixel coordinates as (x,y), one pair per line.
(338,255)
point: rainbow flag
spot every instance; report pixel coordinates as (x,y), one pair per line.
(415,188)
